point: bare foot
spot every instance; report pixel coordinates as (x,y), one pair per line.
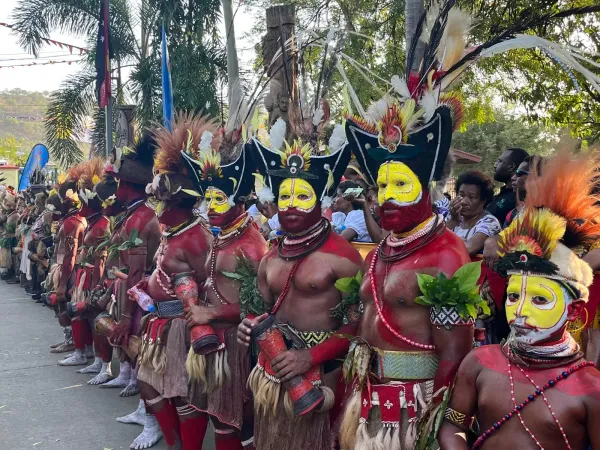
(57,344)
(103,377)
(63,348)
(92,368)
(137,417)
(122,381)
(132,389)
(150,436)
(77,359)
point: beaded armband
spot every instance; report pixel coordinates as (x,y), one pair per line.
(458,419)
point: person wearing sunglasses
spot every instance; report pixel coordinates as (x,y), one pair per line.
(504,169)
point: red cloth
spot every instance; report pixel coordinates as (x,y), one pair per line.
(227,442)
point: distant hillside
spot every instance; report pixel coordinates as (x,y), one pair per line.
(21,123)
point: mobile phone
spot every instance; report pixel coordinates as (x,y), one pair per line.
(352,192)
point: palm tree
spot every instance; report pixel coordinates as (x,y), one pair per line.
(197,61)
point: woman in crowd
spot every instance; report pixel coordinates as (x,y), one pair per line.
(354,227)
(468,217)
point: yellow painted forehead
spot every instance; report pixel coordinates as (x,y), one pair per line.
(393,169)
(299,185)
(212,192)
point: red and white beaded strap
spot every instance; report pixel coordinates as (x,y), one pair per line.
(380,308)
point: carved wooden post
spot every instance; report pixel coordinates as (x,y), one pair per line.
(282,89)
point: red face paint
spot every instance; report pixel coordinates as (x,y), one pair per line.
(293,220)
(400,219)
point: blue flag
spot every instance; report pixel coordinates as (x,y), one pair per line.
(37,159)
(167,88)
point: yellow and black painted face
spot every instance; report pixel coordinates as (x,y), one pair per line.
(296,193)
(216,201)
(398,183)
(536,307)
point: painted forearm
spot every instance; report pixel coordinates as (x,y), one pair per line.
(227,313)
(333,348)
(99,266)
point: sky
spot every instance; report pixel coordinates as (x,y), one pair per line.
(49,77)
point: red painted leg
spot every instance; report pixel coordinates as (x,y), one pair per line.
(192,425)
(79,336)
(168,420)
(229,441)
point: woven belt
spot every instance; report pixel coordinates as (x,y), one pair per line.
(170,308)
(405,365)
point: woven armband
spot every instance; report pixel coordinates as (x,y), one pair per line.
(458,419)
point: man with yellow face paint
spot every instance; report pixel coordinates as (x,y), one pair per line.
(220,169)
(295,383)
(413,351)
(536,390)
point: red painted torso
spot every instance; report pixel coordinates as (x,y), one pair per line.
(141,218)
(568,400)
(250,244)
(312,291)
(397,288)
(182,253)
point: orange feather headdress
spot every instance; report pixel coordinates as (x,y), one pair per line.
(561,219)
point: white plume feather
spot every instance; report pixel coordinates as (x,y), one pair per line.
(400,86)
(327,202)
(429,102)
(337,139)
(265,195)
(377,110)
(452,46)
(277,134)
(206,141)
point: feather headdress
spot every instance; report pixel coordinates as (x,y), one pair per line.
(559,222)
(172,177)
(91,174)
(437,55)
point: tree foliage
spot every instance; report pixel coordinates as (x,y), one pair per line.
(490,138)
(197,61)
(528,79)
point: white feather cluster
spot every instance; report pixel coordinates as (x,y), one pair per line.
(206,141)
(400,86)
(337,139)
(429,102)
(231,200)
(265,195)
(277,134)
(327,202)
(378,109)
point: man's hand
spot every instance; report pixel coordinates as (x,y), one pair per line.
(61,294)
(291,363)
(120,335)
(245,328)
(199,315)
(490,252)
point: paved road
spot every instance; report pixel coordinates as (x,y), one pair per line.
(44,406)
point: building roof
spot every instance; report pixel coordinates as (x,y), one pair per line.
(461,157)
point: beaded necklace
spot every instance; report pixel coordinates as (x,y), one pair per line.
(539,391)
(224,240)
(300,245)
(166,235)
(379,306)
